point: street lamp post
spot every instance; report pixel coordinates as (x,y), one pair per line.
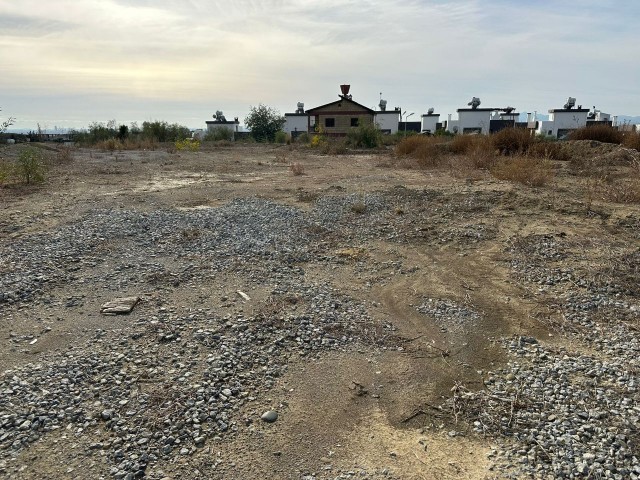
(405,123)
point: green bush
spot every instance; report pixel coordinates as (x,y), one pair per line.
(280,137)
(264,122)
(162,131)
(365,136)
(303,138)
(187,144)
(30,166)
(218,134)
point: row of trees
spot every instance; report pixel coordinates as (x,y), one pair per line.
(159,131)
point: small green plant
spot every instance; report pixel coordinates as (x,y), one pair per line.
(366,135)
(303,138)
(280,137)
(217,134)
(30,166)
(187,144)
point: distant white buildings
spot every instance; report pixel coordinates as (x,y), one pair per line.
(429,122)
(339,117)
(297,122)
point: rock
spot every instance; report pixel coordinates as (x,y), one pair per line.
(119,305)
(269,416)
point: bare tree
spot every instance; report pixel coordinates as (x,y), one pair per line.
(6,124)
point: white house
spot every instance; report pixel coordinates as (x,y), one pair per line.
(429,122)
(297,122)
(562,121)
(473,120)
(221,122)
(387,120)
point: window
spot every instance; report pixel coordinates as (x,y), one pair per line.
(354,122)
(329,122)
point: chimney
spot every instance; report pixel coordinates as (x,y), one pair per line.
(345,90)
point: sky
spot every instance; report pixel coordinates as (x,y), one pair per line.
(68,63)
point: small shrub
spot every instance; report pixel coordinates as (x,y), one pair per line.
(409,145)
(296,168)
(303,138)
(600,133)
(318,141)
(462,144)
(281,156)
(110,145)
(530,171)
(218,134)
(5,173)
(64,155)
(187,144)
(280,137)
(548,149)
(359,207)
(623,192)
(30,166)
(338,147)
(365,136)
(511,141)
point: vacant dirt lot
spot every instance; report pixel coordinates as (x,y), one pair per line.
(403,324)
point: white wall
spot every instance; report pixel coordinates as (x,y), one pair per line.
(387,120)
(453,126)
(429,123)
(563,120)
(474,119)
(295,123)
(545,127)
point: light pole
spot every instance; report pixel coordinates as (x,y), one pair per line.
(405,123)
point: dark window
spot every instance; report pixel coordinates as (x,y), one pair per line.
(329,122)
(354,122)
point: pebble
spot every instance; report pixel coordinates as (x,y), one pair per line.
(269,416)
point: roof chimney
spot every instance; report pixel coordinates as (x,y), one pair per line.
(345,89)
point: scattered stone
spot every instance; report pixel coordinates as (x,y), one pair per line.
(121,305)
(269,416)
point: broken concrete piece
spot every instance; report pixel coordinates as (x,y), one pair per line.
(119,305)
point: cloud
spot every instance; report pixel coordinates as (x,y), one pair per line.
(234,53)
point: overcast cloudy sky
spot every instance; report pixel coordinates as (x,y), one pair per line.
(71,62)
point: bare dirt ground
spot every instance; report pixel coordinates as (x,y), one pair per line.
(370,409)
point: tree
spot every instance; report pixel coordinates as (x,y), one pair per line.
(264,123)
(6,124)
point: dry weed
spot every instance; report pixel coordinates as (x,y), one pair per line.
(600,133)
(296,168)
(530,171)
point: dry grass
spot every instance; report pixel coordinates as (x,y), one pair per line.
(427,152)
(64,155)
(530,171)
(463,144)
(631,140)
(512,141)
(549,150)
(114,144)
(296,168)
(600,133)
